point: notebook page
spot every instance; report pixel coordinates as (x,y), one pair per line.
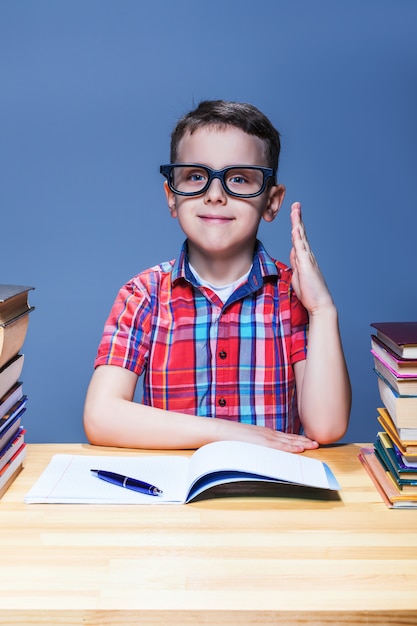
(255,459)
(68,479)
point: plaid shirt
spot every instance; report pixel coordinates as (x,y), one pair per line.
(203,357)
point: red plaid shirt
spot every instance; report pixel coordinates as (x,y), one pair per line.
(200,356)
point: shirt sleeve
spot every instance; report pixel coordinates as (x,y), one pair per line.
(125,339)
(299,326)
(294,316)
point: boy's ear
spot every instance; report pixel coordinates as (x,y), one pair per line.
(170,196)
(275,199)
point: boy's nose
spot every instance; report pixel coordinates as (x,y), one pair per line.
(215,193)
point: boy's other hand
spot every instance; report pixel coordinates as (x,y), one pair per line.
(263,436)
(285,441)
(308,281)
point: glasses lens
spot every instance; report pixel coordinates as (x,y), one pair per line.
(244,181)
(188,179)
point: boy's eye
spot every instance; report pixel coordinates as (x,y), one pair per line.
(188,178)
(238,179)
(196,177)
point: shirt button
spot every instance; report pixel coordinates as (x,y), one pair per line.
(222,402)
(222,354)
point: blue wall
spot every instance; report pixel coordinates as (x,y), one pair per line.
(90,90)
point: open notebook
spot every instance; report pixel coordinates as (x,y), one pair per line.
(68,478)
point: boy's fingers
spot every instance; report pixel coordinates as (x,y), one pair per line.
(297,223)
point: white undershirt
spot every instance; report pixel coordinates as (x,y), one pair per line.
(223,291)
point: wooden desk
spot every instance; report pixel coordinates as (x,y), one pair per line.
(235,560)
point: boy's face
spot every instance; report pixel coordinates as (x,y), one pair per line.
(217,224)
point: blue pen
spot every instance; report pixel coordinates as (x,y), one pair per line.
(128,483)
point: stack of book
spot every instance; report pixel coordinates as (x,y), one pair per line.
(14,319)
(392,462)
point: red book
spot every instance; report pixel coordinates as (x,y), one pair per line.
(400,337)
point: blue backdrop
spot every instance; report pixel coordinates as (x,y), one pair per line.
(90,90)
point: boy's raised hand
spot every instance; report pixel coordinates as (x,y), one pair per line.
(308,281)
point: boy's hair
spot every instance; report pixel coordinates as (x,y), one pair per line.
(220,113)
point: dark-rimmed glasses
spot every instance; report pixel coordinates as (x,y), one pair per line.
(193,179)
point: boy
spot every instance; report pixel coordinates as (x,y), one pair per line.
(222,331)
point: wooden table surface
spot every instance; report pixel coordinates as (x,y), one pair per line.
(280,557)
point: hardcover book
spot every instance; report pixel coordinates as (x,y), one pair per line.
(405,385)
(402,481)
(400,366)
(13,302)
(406,445)
(10,373)
(11,448)
(11,469)
(401,337)
(390,494)
(402,409)
(12,337)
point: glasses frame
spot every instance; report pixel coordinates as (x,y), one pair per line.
(268,173)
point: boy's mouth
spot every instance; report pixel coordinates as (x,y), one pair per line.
(216,219)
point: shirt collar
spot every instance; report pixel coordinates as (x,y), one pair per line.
(263,266)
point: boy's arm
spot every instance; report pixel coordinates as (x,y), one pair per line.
(112,418)
(322,380)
